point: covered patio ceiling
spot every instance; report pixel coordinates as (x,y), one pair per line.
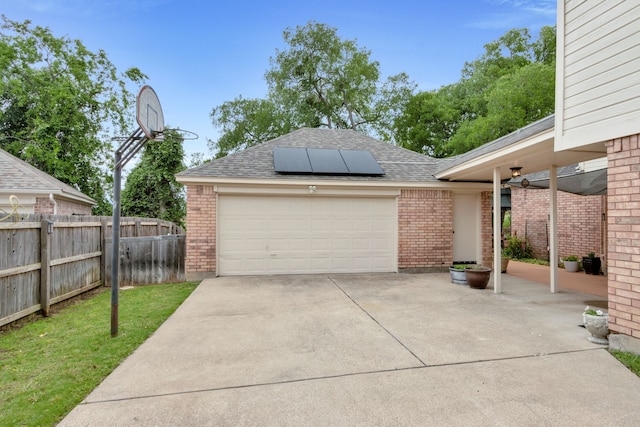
(531,148)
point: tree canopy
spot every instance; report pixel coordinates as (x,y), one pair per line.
(320,80)
(151,189)
(509,86)
(60,104)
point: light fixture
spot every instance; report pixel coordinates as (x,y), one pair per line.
(312,189)
(516,171)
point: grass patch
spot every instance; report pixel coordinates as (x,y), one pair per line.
(630,360)
(47,367)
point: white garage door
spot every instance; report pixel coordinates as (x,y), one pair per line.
(297,235)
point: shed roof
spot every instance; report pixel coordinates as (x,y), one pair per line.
(399,164)
(20,177)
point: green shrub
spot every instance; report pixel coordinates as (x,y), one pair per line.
(517,248)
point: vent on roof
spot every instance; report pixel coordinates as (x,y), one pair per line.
(325,161)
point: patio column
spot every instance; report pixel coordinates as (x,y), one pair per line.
(553,228)
(497,250)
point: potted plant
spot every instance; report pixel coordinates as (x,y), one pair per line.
(477,276)
(457,274)
(597,323)
(591,264)
(571,263)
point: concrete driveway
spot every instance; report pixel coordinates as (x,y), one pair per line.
(391,349)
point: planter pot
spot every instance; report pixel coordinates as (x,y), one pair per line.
(571,266)
(478,277)
(457,276)
(591,265)
(504,262)
(598,327)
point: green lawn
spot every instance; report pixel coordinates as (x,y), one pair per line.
(630,360)
(47,367)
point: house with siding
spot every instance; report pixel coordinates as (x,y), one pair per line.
(25,189)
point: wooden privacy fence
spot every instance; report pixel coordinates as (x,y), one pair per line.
(46,259)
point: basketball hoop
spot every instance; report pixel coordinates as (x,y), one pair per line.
(151,121)
(149,112)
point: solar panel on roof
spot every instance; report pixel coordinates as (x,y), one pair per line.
(360,162)
(291,160)
(325,161)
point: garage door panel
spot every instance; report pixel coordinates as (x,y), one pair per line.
(295,235)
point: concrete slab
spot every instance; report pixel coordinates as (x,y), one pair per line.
(390,349)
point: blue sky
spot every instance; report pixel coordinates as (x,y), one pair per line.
(199,53)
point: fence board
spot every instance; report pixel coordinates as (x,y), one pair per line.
(76,257)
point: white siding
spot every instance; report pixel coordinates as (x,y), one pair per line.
(598,82)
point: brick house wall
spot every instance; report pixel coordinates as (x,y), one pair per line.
(581,228)
(486,227)
(425,229)
(623,184)
(62,207)
(201,231)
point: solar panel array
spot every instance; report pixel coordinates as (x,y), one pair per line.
(325,161)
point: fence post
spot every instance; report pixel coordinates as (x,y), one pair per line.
(46,229)
(103,249)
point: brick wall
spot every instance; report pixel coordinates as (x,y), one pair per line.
(62,207)
(486,227)
(425,229)
(623,184)
(201,232)
(580,226)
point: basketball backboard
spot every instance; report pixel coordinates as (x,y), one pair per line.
(149,113)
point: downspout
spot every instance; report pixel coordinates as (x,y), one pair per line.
(55,204)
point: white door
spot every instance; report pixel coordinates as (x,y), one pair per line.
(466,227)
(299,235)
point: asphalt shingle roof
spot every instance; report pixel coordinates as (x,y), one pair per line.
(399,164)
(18,175)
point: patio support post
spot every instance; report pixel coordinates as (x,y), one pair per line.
(553,228)
(497,250)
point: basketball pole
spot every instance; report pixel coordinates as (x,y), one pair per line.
(123,154)
(151,126)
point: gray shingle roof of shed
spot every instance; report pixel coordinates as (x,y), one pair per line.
(18,175)
(399,164)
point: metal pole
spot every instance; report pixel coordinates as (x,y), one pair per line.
(115,232)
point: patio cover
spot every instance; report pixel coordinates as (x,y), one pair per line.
(570,180)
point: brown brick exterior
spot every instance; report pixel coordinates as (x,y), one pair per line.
(580,226)
(486,231)
(624,235)
(201,231)
(62,207)
(425,229)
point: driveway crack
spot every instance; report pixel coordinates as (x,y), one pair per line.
(377,322)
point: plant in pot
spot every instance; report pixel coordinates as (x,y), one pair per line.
(591,264)
(457,274)
(597,323)
(571,263)
(477,276)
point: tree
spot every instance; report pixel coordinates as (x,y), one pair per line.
(246,122)
(511,85)
(320,80)
(151,189)
(59,105)
(427,121)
